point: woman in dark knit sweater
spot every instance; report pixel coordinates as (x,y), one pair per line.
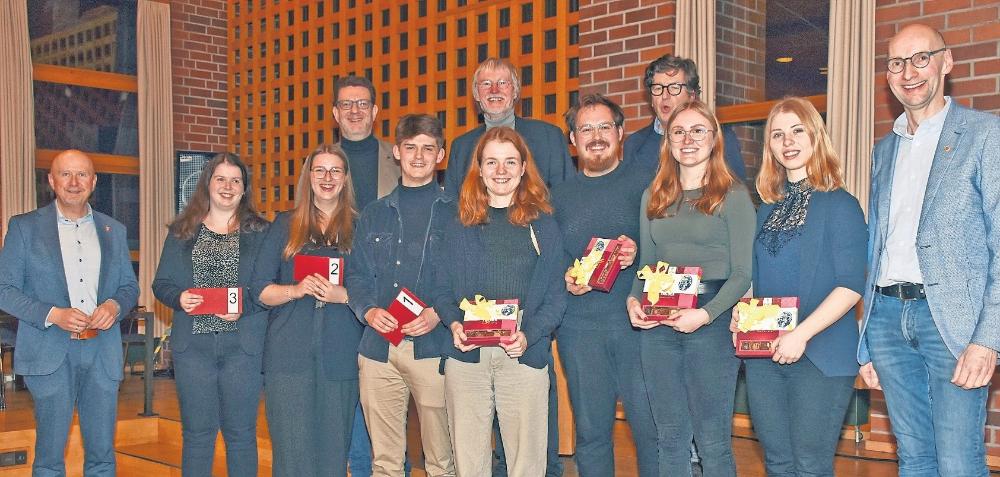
(504,244)
(811,243)
(695,213)
(311,351)
(212,244)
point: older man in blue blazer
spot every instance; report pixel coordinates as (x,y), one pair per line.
(932,302)
(65,273)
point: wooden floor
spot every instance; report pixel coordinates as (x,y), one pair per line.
(145,456)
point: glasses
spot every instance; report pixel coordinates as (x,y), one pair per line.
(591,129)
(322,172)
(919,59)
(697,133)
(347,104)
(486,85)
(674,89)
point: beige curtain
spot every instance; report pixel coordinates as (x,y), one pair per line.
(17,115)
(850,86)
(695,39)
(156,146)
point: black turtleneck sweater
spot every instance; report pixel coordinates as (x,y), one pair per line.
(363,156)
(510,257)
(415,214)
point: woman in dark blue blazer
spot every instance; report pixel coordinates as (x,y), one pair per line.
(311,350)
(810,243)
(504,244)
(217,358)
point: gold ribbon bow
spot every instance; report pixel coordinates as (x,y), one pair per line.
(754,313)
(479,308)
(583,269)
(658,281)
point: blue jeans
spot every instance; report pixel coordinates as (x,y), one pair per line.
(797,414)
(691,381)
(938,425)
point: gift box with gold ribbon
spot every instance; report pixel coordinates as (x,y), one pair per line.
(490,322)
(761,321)
(668,289)
(600,264)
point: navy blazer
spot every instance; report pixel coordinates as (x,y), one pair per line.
(32,281)
(834,239)
(372,279)
(643,147)
(175,274)
(293,336)
(546,142)
(460,275)
(958,232)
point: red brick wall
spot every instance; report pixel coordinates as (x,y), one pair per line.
(617,40)
(972,30)
(198,46)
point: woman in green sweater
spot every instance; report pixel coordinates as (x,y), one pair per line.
(695,213)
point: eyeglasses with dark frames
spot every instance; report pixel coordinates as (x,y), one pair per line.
(673,89)
(919,59)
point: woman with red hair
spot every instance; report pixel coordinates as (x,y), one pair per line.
(504,245)
(695,213)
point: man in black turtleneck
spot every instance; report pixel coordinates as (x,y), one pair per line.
(373,169)
(375,173)
(496,88)
(396,246)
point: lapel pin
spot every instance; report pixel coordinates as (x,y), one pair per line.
(107,228)
(947,149)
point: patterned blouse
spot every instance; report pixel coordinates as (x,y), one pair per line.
(216,263)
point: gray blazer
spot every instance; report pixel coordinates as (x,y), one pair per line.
(32,281)
(958,235)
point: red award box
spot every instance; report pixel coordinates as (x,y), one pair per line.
(504,320)
(218,301)
(330,268)
(678,293)
(404,309)
(762,320)
(604,273)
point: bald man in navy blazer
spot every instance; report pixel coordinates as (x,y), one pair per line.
(66,275)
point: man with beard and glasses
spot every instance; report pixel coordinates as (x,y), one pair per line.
(672,81)
(496,88)
(598,347)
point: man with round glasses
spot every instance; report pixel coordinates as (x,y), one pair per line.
(496,89)
(672,81)
(932,303)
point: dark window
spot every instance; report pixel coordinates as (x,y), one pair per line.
(404,13)
(305,64)
(574,97)
(291,187)
(404,41)
(352,53)
(385,76)
(550,10)
(291,142)
(442,31)
(305,115)
(320,113)
(442,5)
(550,71)
(277,46)
(422,37)
(462,27)
(574,34)
(319,9)
(483,22)
(291,42)
(368,22)
(404,69)
(422,94)
(291,18)
(385,45)
(291,67)
(462,57)
(442,61)
(527,12)
(368,74)
(335,56)
(335,5)
(422,65)
(305,139)
(385,98)
(442,90)
(526,107)
(368,49)
(404,97)
(305,39)
(461,87)
(443,117)
(503,48)
(336,30)
(421,8)
(504,17)
(574,6)
(461,116)
(290,117)
(305,13)
(462,3)
(385,17)
(550,39)
(526,73)
(320,60)
(320,86)
(574,67)
(527,44)
(482,52)
(385,128)
(352,26)
(550,104)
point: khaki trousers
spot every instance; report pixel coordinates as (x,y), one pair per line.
(385,397)
(519,395)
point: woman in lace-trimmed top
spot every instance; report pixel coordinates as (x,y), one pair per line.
(811,243)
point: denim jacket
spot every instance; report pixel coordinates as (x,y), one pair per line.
(372,278)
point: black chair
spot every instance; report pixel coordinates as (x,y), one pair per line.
(8,334)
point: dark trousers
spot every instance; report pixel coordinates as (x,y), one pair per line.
(310,420)
(553,466)
(218,386)
(600,367)
(797,415)
(691,381)
(80,381)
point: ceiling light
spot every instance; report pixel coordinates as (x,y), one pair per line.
(784,59)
